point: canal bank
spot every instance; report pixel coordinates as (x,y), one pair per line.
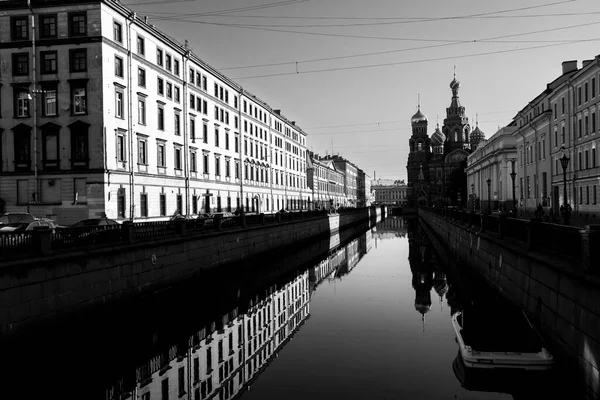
(563,301)
(37,289)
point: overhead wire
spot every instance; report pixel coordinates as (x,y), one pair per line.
(227,11)
(493,39)
(298,72)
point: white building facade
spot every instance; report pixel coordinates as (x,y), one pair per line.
(110,117)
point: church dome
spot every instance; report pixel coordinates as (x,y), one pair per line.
(418,117)
(476,136)
(455,84)
(438,138)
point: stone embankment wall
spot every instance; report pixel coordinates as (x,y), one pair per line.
(36,289)
(564,301)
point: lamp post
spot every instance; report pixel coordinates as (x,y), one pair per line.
(564,162)
(513,175)
(489,182)
(473,195)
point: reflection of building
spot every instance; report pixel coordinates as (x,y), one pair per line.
(419,257)
(219,360)
(390,228)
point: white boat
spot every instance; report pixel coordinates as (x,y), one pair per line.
(500,338)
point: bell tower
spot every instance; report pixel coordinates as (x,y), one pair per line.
(418,157)
(456,124)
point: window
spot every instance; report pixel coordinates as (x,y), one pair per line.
(159,57)
(554,111)
(586,124)
(217,166)
(580,130)
(47,26)
(78,60)
(195,211)
(50,133)
(176,67)
(585,92)
(77,24)
(562,134)
(117,32)
(142,151)
(593,87)
(141,45)
(226,140)
(205,132)
(181,369)
(161,162)
(177,123)
(20,64)
(79,144)
(562,101)
(143,204)
(193,162)
(205,162)
(587,160)
(227,168)
(593,122)
(161,117)
(237,169)
(141,111)
(118,67)
(49,62)
(161,86)
(593,157)
(163,212)
(20,28)
(204,83)
(22,101)
(579,96)
(168,62)
(192,101)
(141,77)
(169,90)
(79,98)
(177,159)
(193,129)
(176,94)
(49,99)
(119,103)
(22,148)
(216,136)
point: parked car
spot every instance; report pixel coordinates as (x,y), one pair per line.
(10,218)
(40,223)
(91,222)
(13,226)
(226,217)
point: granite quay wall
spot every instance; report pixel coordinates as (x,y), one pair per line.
(35,289)
(557,289)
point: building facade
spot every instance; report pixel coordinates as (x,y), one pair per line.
(350,172)
(494,160)
(104,115)
(395,193)
(325,181)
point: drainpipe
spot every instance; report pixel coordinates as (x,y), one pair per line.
(131,19)
(241,93)
(36,193)
(184,100)
(572,131)
(524,158)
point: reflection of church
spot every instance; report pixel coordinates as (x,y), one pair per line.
(427,271)
(436,164)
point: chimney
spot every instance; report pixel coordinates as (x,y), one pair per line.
(294,123)
(278,112)
(586,62)
(146,19)
(569,66)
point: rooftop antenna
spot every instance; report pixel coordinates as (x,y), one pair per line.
(419,101)
(476,119)
(454,71)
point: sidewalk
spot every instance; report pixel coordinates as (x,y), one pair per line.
(575,220)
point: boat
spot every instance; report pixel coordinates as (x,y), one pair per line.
(500,338)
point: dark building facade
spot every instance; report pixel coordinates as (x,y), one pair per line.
(436,164)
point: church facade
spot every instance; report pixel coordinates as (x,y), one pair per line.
(436,164)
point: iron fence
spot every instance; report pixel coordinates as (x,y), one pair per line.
(154,229)
(68,238)
(12,243)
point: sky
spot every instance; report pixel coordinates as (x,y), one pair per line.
(350,72)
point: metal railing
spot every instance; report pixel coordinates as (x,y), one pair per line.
(30,242)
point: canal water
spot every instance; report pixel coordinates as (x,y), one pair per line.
(364,314)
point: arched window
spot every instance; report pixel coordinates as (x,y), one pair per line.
(419,146)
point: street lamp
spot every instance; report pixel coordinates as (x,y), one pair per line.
(489,182)
(564,162)
(513,175)
(473,195)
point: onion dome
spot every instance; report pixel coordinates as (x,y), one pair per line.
(476,135)
(455,84)
(437,138)
(422,308)
(418,117)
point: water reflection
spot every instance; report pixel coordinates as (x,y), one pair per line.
(226,356)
